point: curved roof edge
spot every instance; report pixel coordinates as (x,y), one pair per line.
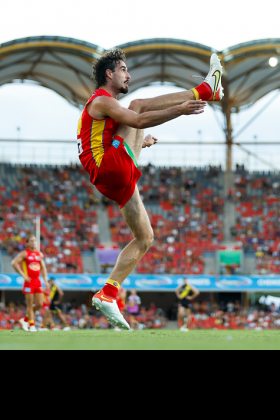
(166,41)
(255,42)
(51,38)
(248,47)
(267,45)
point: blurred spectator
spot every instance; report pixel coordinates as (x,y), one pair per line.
(186,215)
(203,317)
(64,199)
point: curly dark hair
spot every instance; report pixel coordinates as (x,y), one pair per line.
(108,61)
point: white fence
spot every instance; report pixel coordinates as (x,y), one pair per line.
(190,155)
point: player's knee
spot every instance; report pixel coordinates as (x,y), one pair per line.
(29,304)
(148,240)
(39,306)
(136,105)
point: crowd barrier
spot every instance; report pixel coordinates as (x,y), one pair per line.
(161,283)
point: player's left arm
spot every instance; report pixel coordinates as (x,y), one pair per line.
(44,272)
(195,293)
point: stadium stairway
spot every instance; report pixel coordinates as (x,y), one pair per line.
(229,208)
(250,264)
(103,222)
(209,263)
(91,263)
(6,265)
(229,220)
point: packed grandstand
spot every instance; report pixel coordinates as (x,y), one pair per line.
(186,207)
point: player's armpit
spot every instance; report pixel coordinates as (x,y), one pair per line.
(104,106)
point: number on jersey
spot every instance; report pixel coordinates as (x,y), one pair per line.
(80,149)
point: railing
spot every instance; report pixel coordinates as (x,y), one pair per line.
(185,153)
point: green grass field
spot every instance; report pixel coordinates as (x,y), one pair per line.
(140,340)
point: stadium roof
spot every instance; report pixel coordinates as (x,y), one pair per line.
(65,66)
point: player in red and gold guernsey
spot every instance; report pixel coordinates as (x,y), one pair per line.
(30,264)
(110,139)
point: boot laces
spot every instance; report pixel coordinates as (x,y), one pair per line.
(198,77)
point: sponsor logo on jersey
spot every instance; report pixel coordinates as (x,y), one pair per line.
(35,266)
(116,143)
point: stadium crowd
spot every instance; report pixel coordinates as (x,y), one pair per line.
(80,317)
(257,199)
(185,208)
(224,317)
(64,199)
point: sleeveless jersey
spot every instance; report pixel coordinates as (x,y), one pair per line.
(32,264)
(95,137)
(54,295)
(185,291)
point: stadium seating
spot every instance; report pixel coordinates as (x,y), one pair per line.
(185,207)
(257,198)
(185,210)
(63,198)
(203,318)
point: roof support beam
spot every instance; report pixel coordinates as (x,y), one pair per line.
(256,115)
(228,124)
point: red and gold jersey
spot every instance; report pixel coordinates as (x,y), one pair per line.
(32,264)
(95,137)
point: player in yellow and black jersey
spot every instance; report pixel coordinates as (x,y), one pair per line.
(185,293)
(56,296)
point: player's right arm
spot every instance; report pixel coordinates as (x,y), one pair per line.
(105,106)
(177,292)
(16,263)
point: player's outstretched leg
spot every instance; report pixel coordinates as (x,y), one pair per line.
(210,90)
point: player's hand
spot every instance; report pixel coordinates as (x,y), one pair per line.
(149,141)
(193,107)
(189,298)
(27,279)
(47,286)
(56,302)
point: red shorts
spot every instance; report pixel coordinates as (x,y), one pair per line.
(118,173)
(32,288)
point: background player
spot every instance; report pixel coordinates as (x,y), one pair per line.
(56,296)
(47,315)
(185,293)
(30,264)
(110,139)
(133,308)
